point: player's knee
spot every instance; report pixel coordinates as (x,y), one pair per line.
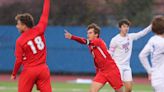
(119,90)
(93,90)
(128,89)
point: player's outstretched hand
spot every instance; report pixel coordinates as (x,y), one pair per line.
(67,34)
(13,77)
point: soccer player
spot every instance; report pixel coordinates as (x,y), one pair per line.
(106,69)
(155,48)
(31,52)
(121,48)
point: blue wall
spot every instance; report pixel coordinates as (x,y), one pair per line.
(65,55)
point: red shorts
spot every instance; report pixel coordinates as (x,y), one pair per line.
(39,75)
(113,78)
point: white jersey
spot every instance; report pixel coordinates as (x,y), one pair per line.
(121,47)
(154,48)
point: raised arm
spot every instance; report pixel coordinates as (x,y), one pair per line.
(76,38)
(18,61)
(44,17)
(81,40)
(143,56)
(136,36)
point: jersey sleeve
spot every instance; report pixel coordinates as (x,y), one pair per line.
(112,47)
(18,61)
(86,41)
(79,39)
(41,26)
(143,56)
(136,36)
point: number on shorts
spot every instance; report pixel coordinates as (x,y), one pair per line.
(38,41)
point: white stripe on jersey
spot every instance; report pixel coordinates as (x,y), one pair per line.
(101,51)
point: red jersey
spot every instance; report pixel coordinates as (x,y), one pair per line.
(102,59)
(30,46)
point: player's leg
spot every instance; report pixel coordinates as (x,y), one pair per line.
(96,86)
(114,79)
(43,82)
(121,74)
(98,82)
(127,79)
(26,81)
(128,86)
(119,90)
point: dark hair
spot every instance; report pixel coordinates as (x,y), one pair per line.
(124,21)
(158,24)
(96,28)
(26,19)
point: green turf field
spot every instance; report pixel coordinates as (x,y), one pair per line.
(70,87)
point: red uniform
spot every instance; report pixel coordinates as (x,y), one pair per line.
(106,69)
(31,53)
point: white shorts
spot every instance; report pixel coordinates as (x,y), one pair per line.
(157,82)
(126,73)
(158,85)
(159,88)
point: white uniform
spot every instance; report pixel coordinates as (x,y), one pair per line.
(121,48)
(154,48)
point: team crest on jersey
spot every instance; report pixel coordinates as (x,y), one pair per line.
(126,46)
